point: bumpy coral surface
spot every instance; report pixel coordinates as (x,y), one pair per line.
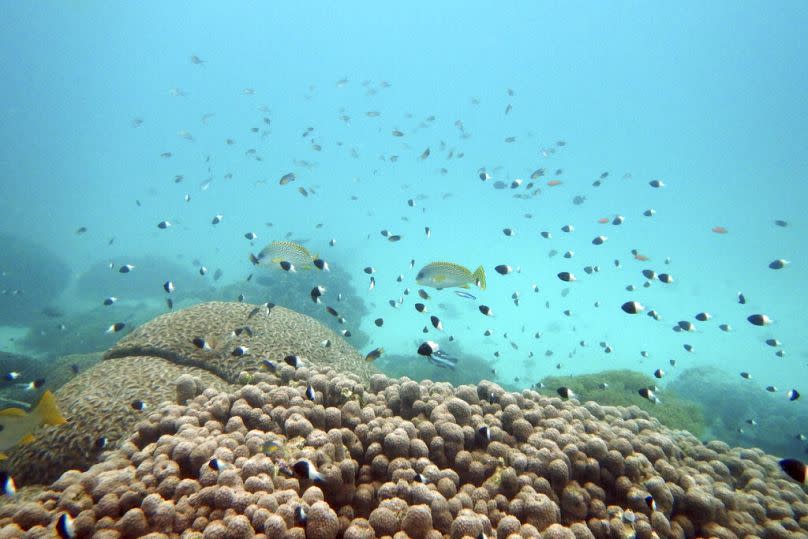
(267,334)
(407,459)
(100,403)
(143,366)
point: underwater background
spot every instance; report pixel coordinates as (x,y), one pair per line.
(115,117)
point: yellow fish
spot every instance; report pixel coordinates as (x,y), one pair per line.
(285,251)
(374,354)
(446,274)
(271,446)
(16,425)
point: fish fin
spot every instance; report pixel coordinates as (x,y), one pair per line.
(439,278)
(479,277)
(464,286)
(48,410)
(27,439)
(13,412)
(3,456)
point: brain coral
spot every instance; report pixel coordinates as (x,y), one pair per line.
(273,334)
(98,403)
(405,459)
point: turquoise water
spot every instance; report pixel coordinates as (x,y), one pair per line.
(709,98)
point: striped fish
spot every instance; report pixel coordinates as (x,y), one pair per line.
(285,251)
(447,274)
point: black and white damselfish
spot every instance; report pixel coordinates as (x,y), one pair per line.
(795,469)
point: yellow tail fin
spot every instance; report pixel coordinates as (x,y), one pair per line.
(27,439)
(479,277)
(48,410)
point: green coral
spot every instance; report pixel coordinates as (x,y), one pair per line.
(673,410)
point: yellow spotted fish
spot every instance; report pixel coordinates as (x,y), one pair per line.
(17,425)
(446,274)
(285,251)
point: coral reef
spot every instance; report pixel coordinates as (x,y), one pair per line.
(65,368)
(31,279)
(733,402)
(329,448)
(98,403)
(406,459)
(268,334)
(143,366)
(673,411)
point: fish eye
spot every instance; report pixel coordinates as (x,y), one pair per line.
(420,275)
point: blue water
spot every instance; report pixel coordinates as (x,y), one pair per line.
(708,97)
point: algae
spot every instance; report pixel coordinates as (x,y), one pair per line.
(673,411)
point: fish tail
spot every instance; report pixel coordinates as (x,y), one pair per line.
(48,410)
(479,277)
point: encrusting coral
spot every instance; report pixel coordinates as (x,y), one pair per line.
(410,459)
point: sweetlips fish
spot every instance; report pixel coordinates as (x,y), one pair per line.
(278,252)
(447,274)
(17,425)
